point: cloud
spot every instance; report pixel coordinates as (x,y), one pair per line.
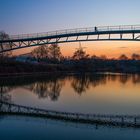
(123,47)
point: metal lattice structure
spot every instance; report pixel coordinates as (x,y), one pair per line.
(101,33)
(125,120)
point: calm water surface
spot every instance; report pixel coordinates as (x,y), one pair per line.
(25,128)
(85,93)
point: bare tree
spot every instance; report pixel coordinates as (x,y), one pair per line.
(103,57)
(94,57)
(135,56)
(54,52)
(123,57)
(4,36)
(40,53)
(80,54)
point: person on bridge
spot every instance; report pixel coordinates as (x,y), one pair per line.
(95,29)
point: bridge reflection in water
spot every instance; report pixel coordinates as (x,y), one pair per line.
(117,120)
(44,87)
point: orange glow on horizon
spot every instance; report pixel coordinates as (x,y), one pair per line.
(111,49)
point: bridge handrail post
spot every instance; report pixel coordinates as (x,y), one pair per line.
(122,120)
(135,121)
(77,116)
(131,27)
(119,27)
(108,28)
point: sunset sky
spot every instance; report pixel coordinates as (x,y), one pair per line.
(32,16)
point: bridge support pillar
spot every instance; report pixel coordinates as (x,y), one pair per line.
(109,36)
(98,37)
(87,37)
(121,35)
(67,39)
(133,36)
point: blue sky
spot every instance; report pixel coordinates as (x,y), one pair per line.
(32,16)
(29,16)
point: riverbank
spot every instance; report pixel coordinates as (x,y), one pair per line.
(6,75)
(10,67)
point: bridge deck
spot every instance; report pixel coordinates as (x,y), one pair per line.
(77,31)
(101,33)
(127,120)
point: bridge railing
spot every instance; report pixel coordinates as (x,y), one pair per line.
(78,30)
(131,120)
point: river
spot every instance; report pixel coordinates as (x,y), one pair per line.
(102,93)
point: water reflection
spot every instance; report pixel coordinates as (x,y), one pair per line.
(4,96)
(50,86)
(37,128)
(80,83)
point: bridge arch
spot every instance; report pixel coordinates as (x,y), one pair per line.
(72,35)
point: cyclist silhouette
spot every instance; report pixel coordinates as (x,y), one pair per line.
(95,29)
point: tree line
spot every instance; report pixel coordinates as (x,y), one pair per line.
(49,58)
(53,52)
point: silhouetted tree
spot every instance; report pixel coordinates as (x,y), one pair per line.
(40,53)
(94,57)
(123,57)
(4,36)
(135,56)
(54,52)
(80,54)
(103,57)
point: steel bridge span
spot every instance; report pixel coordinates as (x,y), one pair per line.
(116,120)
(101,33)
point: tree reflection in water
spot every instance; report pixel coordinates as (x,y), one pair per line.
(136,79)
(51,86)
(81,83)
(124,78)
(4,96)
